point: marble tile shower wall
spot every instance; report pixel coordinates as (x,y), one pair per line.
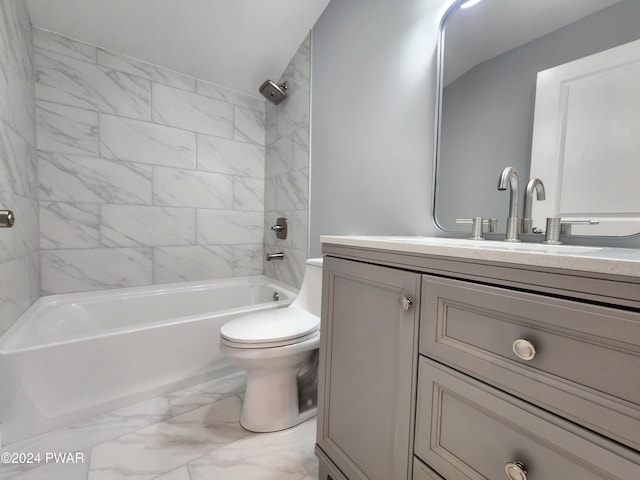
(145,175)
(19,266)
(287,170)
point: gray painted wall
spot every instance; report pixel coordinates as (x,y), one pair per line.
(372,118)
(488,115)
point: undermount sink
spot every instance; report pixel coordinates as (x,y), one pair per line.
(495,245)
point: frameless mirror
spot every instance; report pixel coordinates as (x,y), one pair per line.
(552,88)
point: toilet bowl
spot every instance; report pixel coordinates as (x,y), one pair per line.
(279,351)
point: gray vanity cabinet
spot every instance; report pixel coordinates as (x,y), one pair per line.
(494,367)
(368,361)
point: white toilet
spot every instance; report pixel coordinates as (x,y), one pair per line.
(278,350)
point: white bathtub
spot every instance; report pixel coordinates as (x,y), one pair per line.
(73,356)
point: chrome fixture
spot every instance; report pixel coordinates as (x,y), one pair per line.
(7,219)
(405,303)
(524,349)
(557,226)
(477,224)
(534,184)
(280,228)
(275,256)
(275,93)
(510,175)
(515,471)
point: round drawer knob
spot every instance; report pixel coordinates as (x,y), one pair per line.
(524,349)
(405,303)
(515,471)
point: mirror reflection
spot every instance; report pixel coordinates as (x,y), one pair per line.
(549,88)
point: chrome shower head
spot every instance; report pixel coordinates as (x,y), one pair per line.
(273,92)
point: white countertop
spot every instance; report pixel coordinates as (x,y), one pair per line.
(615,261)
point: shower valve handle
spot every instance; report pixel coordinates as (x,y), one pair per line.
(280,228)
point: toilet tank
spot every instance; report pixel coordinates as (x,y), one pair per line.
(310,295)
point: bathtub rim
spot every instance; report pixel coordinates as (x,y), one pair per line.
(52,301)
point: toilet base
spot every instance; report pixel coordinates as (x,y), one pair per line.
(276,426)
(271,400)
(277,379)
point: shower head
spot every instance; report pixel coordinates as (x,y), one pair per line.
(273,92)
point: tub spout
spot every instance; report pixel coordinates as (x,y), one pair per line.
(275,256)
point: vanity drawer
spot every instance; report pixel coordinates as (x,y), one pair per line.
(587,361)
(468,430)
(422,472)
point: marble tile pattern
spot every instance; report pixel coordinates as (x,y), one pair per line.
(19,262)
(287,170)
(191,434)
(144,175)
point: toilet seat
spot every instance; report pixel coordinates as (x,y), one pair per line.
(274,328)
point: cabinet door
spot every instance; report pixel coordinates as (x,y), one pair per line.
(368,359)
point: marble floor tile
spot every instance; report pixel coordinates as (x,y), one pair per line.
(181,473)
(285,455)
(80,437)
(190,434)
(152,451)
(206,393)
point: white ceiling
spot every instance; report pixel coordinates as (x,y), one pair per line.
(235,43)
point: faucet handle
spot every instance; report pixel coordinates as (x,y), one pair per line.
(557,226)
(281,228)
(477,224)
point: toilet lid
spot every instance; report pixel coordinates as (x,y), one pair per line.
(279,325)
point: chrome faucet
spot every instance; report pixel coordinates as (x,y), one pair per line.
(534,185)
(510,175)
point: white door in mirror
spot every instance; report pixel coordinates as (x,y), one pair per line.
(585,145)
